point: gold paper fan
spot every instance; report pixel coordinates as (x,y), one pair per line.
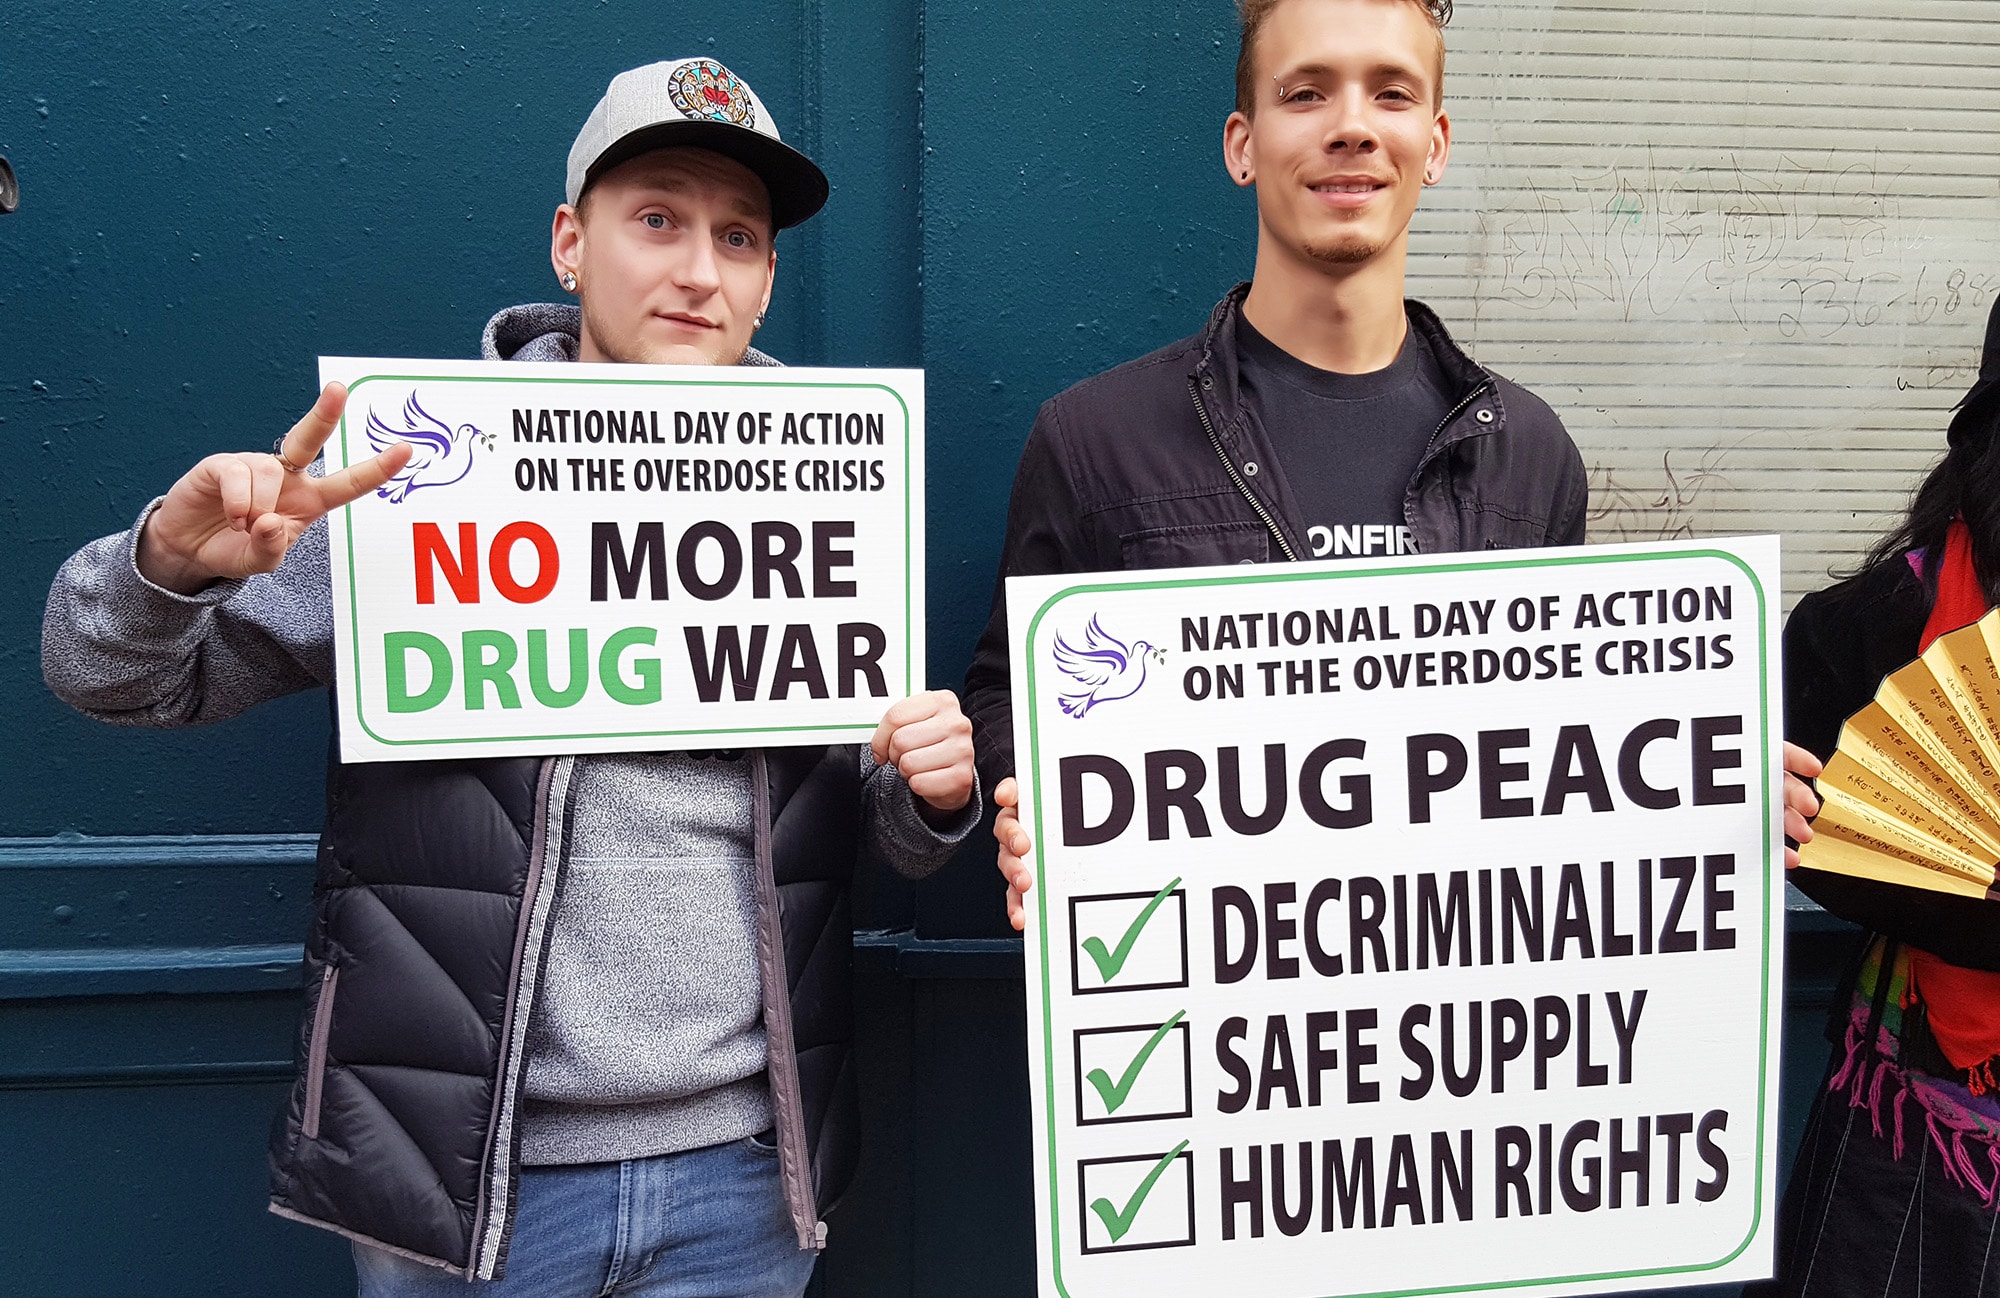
(1912,793)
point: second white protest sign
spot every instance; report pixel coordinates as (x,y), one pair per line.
(1404,927)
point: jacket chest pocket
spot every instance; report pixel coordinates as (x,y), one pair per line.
(1193,545)
(322,1028)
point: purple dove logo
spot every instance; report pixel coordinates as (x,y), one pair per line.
(1103,669)
(443,454)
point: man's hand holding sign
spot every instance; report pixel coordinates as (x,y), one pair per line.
(1016,846)
(928,739)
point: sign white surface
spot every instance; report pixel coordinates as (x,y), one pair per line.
(1404,927)
(607,558)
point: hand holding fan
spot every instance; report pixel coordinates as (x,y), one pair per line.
(1912,793)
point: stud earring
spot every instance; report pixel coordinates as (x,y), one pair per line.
(758,323)
(569,281)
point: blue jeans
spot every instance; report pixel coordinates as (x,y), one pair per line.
(705,1223)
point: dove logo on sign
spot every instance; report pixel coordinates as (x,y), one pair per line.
(1103,669)
(443,453)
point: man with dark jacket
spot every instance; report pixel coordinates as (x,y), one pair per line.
(581,1025)
(1318,414)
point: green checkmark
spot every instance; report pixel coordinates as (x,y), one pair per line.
(1117,1223)
(1114,1093)
(1110,962)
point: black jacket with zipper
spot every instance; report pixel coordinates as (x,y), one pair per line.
(1159,463)
(429,934)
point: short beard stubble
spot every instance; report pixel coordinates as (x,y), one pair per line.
(1348,251)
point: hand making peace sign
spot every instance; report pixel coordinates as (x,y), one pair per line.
(238,513)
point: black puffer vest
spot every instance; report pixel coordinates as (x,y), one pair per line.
(430,930)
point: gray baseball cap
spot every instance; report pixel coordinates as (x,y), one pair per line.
(699,104)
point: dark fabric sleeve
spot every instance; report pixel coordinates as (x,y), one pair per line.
(121,649)
(1045,533)
(1839,644)
(1572,513)
(896,828)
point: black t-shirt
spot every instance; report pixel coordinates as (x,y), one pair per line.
(1349,442)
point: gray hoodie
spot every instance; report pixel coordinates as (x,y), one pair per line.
(647,1036)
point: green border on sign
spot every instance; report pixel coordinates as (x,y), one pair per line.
(360,693)
(1584,557)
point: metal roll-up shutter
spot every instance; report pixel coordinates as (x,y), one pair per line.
(1746,248)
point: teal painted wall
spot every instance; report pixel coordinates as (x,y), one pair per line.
(215,194)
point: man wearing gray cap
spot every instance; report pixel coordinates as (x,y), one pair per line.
(575,1025)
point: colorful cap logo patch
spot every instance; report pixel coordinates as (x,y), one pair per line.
(704,88)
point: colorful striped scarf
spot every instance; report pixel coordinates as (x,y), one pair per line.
(1962,1116)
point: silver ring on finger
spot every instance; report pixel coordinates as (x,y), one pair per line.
(278,453)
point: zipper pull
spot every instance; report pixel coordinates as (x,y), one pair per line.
(819,1236)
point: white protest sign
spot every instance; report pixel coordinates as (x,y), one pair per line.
(1409,926)
(604,558)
